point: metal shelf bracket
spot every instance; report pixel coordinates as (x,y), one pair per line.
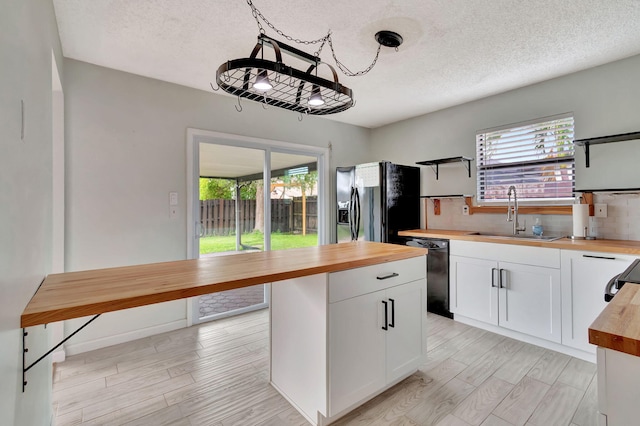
(25,333)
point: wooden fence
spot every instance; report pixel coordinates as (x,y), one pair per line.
(218,217)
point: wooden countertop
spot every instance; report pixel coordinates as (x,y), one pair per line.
(77,294)
(618,325)
(608,246)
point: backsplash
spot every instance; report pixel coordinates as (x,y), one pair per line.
(622,221)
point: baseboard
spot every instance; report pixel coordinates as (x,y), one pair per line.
(585,356)
(104,342)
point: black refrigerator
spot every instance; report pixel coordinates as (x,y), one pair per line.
(376,200)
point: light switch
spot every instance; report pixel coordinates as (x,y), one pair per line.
(173,198)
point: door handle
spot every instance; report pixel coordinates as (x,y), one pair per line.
(352,212)
(357,211)
(503,282)
(393,313)
(386,318)
(493,276)
(386,277)
(598,257)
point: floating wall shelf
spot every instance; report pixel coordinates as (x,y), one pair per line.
(466,161)
(446,196)
(585,143)
(614,190)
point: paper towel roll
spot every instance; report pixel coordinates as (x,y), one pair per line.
(580,220)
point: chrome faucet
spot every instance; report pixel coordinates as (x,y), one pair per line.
(514,217)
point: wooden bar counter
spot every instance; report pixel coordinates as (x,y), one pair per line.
(77,294)
(618,326)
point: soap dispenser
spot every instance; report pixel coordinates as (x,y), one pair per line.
(537,227)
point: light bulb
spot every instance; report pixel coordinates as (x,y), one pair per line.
(316,97)
(262,83)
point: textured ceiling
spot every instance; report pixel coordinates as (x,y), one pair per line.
(455,51)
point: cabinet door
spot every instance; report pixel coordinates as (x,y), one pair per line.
(584,277)
(356,350)
(473,289)
(406,313)
(530,300)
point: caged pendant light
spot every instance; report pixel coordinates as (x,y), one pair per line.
(277,84)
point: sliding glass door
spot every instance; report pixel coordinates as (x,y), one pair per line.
(237,212)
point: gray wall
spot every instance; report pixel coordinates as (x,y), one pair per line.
(28,34)
(605,100)
(126,149)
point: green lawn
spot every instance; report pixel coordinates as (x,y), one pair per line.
(256,239)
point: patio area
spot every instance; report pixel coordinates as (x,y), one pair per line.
(225,301)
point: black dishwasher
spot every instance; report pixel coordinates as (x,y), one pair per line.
(437,273)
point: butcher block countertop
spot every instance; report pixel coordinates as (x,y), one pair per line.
(608,246)
(77,294)
(618,325)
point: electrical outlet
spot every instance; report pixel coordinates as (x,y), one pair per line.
(465,210)
(173,212)
(600,210)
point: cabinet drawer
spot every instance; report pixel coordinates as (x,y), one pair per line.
(513,253)
(354,282)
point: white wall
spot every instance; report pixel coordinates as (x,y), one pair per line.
(605,100)
(28,33)
(126,150)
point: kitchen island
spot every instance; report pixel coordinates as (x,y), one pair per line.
(347,320)
(616,332)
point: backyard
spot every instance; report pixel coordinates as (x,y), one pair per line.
(279,241)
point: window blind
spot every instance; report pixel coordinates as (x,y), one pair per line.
(536,157)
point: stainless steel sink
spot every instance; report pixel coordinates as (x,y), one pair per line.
(519,236)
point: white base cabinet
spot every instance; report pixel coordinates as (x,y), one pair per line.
(618,374)
(339,339)
(584,276)
(514,287)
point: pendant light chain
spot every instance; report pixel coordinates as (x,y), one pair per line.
(259,16)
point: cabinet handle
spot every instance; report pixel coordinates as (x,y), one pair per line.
(502,282)
(493,276)
(598,257)
(385,277)
(393,313)
(386,319)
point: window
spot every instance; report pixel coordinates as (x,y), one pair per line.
(535,157)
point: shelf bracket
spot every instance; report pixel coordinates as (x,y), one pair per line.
(436,170)
(586,153)
(25,333)
(466,166)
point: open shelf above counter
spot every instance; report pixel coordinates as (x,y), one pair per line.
(611,190)
(447,196)
(586,143)
(435,164)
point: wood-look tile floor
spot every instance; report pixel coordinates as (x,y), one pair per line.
(217,374)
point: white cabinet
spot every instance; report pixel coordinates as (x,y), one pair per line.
(339,339)
(514,287)
(473,292)
(618,374)
(375,339)
(529,300)
(584,276)
(357,357)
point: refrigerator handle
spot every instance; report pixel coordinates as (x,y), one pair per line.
(356,227)
(351,212)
